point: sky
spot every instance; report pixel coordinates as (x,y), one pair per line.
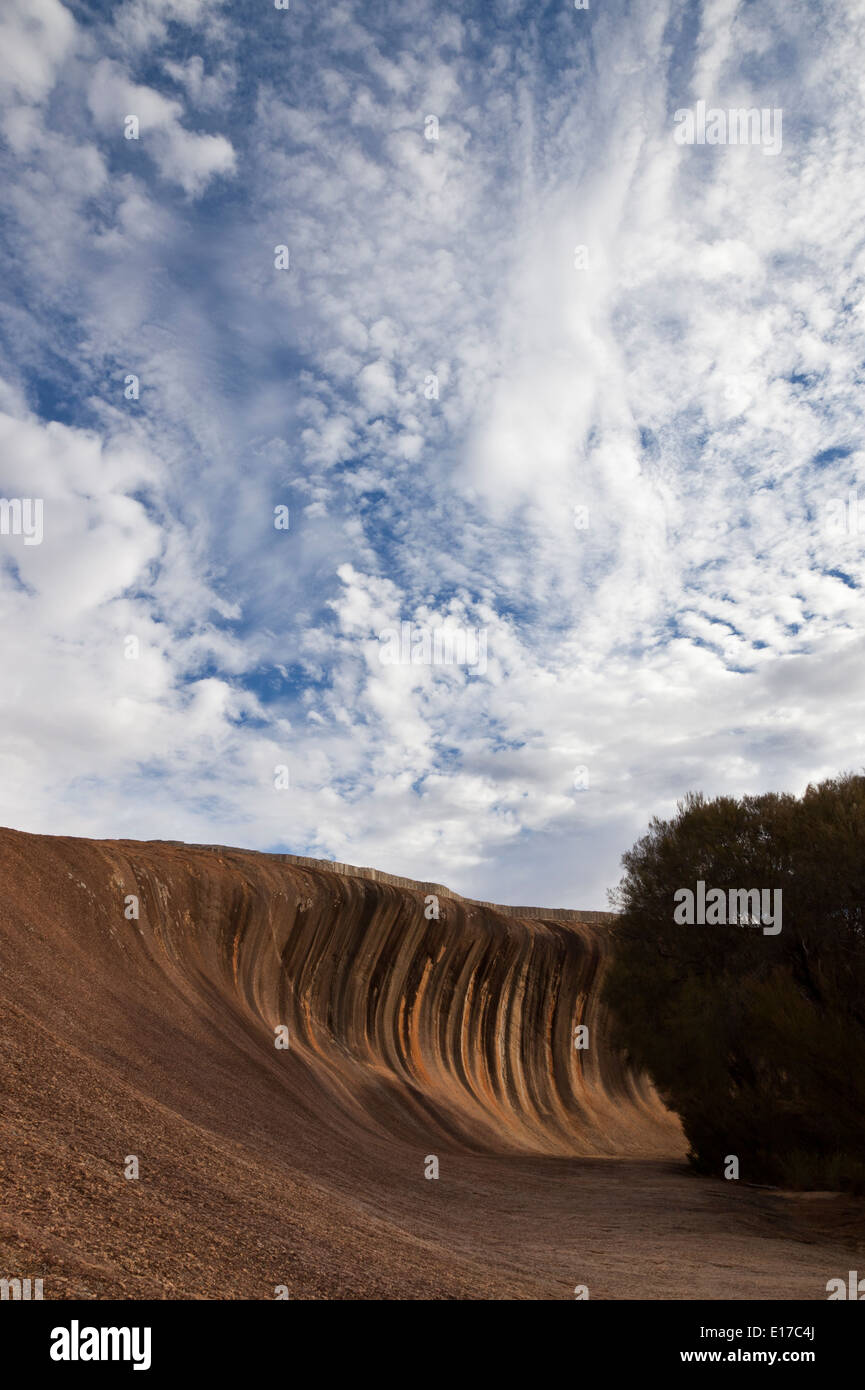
(520,362)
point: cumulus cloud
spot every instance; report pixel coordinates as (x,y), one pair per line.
(181,155)
(535,370)
(35,37)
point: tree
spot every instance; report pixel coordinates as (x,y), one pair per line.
(757,1040)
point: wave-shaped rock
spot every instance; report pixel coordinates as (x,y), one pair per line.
(463,1025)
(144,988)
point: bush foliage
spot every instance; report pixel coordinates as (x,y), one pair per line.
(757,1041)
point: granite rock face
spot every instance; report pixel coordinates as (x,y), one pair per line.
(161,1036)
(464,1025)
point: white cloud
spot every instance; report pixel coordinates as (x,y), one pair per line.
(189,159)
(35,37)
(700,631)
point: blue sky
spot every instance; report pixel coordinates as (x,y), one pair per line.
(694,384)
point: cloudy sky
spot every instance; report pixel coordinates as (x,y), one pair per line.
(553,377)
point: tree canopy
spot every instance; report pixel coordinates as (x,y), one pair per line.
(757,1040)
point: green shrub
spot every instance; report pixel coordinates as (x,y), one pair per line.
(756,1040)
